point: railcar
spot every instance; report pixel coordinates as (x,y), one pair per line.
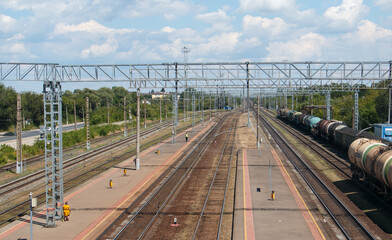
(371,161)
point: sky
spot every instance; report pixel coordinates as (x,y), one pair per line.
(155,31)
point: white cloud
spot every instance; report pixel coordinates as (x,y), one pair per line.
(220,21)
(368,31)
(158,7)
(306,47)
(384,4)
(169,17)
(266,27)
(346,15)
(168,29)
(266,5)
(7,23)
(16,37)
(97,50)
(89,27)
(212,17)
(223,43)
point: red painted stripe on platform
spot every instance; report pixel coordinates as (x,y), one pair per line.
(249,227)
(106,214)
(20,225)
(313,227)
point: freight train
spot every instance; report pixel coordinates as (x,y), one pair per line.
(371,160)
(369,156)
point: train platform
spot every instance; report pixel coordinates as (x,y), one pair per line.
(94,205)
(257,215)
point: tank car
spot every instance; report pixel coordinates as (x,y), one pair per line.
(311,121)
(371,160)
(319,128)
(297,116)
(334,127)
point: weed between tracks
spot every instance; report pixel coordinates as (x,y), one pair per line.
(82,172)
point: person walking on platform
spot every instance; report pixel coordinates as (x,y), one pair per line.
(186,137)
(67,211)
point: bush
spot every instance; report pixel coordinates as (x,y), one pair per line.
(3,160)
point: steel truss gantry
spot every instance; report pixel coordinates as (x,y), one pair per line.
(53,152)
(279,76)
(298,75)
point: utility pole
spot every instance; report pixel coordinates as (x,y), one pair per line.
(160,109)
(390,92)
(19,168)
(83,112)
(66,112)
(125,116)
(137,159)
(257,120)
(87,124)
(210,107)
(193,109)
(186,51)
(107,107)
(202,108)
(145,113)
(75,114)
(247,90)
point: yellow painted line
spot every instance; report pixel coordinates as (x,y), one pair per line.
(306,206)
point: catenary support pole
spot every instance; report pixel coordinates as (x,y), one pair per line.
(210,108)
(145,112)
(389,104)
(125,117)
(160,109)
(53,152)
(75,115)
(87,124)
(257,120)
(247,91)
(328,98)
(107,107)
(137,159)
(356,112)
(19,165)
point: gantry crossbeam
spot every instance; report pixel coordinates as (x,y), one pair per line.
(268,75)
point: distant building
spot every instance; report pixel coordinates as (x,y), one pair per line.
(159,95)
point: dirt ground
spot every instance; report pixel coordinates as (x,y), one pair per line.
(245,137)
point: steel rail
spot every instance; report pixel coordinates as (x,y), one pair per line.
(212,184)
(226,187)
(285,148)
(311,144)
(70,162)
(167,182)
(84,173)
(9,167)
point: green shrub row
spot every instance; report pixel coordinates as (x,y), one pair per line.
(8,154)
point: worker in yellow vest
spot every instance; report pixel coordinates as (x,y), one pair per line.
(66,211)
(186,137)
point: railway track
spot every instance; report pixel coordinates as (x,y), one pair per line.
(23,181)
(339,164)
(349,224)
(12,166)
(12,210)
(147,212)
